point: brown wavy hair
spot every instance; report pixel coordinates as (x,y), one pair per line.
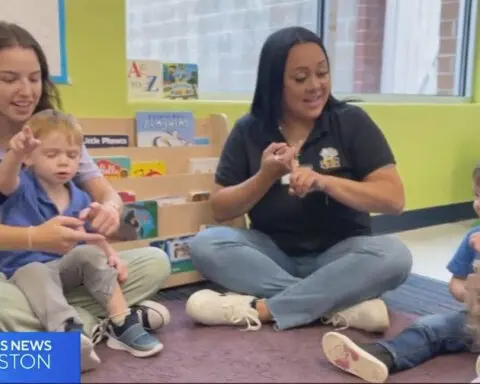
(11,36)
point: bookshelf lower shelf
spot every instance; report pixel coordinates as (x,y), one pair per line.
(183,278)
(175,279)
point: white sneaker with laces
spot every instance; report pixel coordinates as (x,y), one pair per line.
(370,316)
(89,358)
(212,308)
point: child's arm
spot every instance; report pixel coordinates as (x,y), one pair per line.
(22,144)
(457,288)
(112,257)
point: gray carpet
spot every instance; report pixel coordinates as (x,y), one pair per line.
(419,295)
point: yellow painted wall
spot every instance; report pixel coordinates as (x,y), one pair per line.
(436,145)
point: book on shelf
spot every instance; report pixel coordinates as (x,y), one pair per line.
(145,79)
(165,129)
(180,81)
(139,221)
(178,252)
(113,167)
(148,168)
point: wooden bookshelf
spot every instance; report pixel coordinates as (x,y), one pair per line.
(173,220)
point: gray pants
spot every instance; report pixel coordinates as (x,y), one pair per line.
(300,290)
(45,284)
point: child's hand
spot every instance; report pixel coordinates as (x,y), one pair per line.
(122,271)
(23,143)
(474,241)
(114,261)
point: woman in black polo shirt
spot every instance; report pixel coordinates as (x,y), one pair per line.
(307,169)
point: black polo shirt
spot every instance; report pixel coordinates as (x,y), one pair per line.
(345,142)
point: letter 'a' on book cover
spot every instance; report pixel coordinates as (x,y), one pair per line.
(145,80)
(165,129)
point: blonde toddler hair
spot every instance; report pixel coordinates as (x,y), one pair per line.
(49,120)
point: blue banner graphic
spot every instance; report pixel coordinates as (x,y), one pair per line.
(39,357)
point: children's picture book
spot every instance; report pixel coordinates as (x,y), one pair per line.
(139,221)
(127,196)
(165,129)
(180,81)
(145,79)
(105,141)
(178,253)
(148,168)
(113,167)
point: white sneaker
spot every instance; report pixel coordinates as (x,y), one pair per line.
(89,358)
(370,316)
(212,308)
(346,355)
(151,314)
(477,366)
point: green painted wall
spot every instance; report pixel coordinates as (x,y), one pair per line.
(436,145)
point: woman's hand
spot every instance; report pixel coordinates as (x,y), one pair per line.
(103,218)
(276,160)
(304,180)
(60,234)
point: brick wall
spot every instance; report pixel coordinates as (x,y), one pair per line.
(368,41)
(448,47)
(370,25)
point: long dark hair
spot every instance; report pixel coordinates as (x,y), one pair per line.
(12,35)
(267,99)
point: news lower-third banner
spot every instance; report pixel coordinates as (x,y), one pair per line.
(40,357)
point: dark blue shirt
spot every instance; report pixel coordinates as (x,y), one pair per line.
(345,142)
(28,206)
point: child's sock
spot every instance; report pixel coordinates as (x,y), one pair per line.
(119,319)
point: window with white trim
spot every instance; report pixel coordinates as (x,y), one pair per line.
(376,47)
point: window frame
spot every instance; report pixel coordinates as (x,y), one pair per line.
(465,60)
(464,80)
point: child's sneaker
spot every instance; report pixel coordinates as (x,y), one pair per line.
(151,314)
(89,358)
(133,338)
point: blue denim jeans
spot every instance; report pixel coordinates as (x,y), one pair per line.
(300,290)
(428,337)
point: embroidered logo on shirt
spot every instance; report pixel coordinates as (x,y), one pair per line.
(329,158)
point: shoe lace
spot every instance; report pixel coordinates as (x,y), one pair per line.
(340,321)
(100,331)
(237,314)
